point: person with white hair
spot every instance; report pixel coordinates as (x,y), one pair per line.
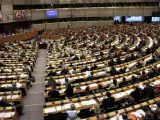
(72,113)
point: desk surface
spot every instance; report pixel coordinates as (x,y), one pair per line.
(19,37)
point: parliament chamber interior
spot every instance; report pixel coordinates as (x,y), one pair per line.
(79,60)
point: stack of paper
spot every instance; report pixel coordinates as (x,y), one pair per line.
(18,85)
(67,106)
(117,117)
(2,115)
(101,73)
(138,115)
(153,107)
(77,105)
(49,110)
(83,87)
(129,91)
(62,90)
(141,112)
(59,108)
(8,115)
(93,85)
(14,96)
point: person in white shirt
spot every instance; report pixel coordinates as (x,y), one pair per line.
(72,113)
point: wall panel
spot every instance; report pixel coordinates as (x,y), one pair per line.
(38,14)
(64,24)
(120,11)
(92,12)
(52,25)
(64,13)
(92,23)
(39,26)
(19,2)
(79,12)
(138,11)
(37,1)
(104,12)
(78,24)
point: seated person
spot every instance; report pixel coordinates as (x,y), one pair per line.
(143,76)
(148,91)
(75,57)
(50,67)
(134,79)
(54,93)
(96,109)
(123,82)
(85,69)
(108,102)
(94,67)
(119,60)
(152,73)
(52,73)
(157,111)
(69,91)
(113,71)
(72,113)
(136,94)
(114,85)
(64,71)
(51,81)
(4,103)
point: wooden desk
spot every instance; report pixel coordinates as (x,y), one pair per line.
(19,37)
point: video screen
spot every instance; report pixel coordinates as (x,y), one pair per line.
(51,14)
(155,19)
(118,18)
(134,18)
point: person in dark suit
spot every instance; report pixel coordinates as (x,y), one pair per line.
(152,73)
(54,93)
(94,67)
(50,67)
(85,69)
(119,60)
(148,91)
(136,94)
(64,71)
(113,71)
(108,102)
(69,91)
(52,73)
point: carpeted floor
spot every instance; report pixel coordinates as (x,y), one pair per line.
(34,100)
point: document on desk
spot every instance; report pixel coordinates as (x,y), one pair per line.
(2,115)
(117,117)
(49,110)
(83,87)
(77,105)
(101,73)
(153,107)
(14,96)
(132,64)
(58,108)
(62,90)
(141,86)
(67,106)
(9,96)
(18,85)
(8,114)
(119,95)
(93,85)
(129,91)
(141,112)
(138,115)
(88,102)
